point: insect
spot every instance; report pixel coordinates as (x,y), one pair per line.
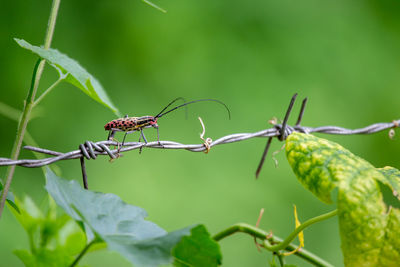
(132,124)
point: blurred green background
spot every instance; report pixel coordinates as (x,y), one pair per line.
(253,55)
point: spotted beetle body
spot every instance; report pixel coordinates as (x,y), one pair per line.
(131,124)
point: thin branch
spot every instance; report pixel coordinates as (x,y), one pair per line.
(261,234)
(85,249)
(51,87)
(37,73)
(282,245)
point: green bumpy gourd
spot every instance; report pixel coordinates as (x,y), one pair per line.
(369,229)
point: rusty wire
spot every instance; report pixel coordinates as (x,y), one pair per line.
(90,150)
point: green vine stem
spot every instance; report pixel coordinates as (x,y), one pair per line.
(51,87)
(281,259)
(84,250)
(280,244)
(29,102)
(286,242)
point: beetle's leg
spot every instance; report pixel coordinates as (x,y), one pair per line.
(110,137)
(140,138)
(111,134)
(144,138)
(123,141)
(158,138)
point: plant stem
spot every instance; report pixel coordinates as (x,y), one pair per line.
(47,91)
(286,242)
(261,234)
(52,23)
(9,112)
(84,250)
(281,260)
(29,102)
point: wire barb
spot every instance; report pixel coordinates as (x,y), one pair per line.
(264,155)
(84,175)
(284,130)
(283,134)
(303,107)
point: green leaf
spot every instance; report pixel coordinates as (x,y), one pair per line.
(198,249)
(49,236)
(10,198)
(391,178)
(29,216)
(45,258)
(369,229)
(25,256)
(71,238)
(122,226)
(10,201)
(73,72)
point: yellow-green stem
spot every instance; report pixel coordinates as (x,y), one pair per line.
(278,243)
(85,249)
(51,87)
(286,242)
(29,102)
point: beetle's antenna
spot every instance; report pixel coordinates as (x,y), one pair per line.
(173,101)
(159,115)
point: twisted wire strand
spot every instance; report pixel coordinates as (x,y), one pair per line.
(90,150)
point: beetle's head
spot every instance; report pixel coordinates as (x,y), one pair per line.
(153,122)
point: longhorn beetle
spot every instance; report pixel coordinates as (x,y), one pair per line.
(132,124)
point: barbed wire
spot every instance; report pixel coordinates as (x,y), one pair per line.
(90,150)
